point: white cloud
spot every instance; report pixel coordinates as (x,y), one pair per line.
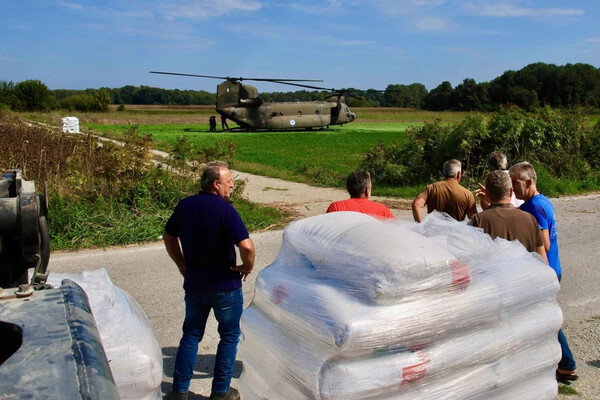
(203,9)
(355,42)
(507,9)
(72,6)
(433,24)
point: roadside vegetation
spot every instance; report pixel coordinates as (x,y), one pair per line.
(104,194)
(101,193)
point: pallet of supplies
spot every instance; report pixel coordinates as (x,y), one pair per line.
(358,308)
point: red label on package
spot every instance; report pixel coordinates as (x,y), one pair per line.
(461,276)
(278,293)
(414,373)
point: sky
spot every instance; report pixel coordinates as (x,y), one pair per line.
(79,44)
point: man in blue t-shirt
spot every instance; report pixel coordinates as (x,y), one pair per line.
(200,237)
(524,182)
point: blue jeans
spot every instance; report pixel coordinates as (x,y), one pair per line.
(567,362)
(228,309)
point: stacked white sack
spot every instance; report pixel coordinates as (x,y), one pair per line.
(356,308)
(128,338)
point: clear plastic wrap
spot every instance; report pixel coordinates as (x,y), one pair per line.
(129,340)
(357,308)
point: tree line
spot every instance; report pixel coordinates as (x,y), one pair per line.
(535,85)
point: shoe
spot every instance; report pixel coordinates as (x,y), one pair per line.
(562,375)
(232,394)
(173,395)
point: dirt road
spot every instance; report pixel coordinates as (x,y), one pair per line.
(151,278)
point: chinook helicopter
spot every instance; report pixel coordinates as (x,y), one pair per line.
(240,103)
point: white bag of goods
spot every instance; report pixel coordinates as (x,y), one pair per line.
(357,308)
(129,340)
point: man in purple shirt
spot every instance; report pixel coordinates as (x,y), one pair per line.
(200,237)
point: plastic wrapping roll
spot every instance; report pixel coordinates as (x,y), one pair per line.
(129,340)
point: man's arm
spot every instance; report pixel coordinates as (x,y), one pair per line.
(472,210)
(542,252)
(546,236)
(484,200)
(174,251)
(247,253)
(418,204)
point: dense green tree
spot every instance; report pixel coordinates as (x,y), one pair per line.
(439,98)
(410,96)
(8,96)
(33,95)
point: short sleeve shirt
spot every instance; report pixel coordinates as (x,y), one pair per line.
(542,209)
(450,197)
(510,223)
(208,228)
(362,205)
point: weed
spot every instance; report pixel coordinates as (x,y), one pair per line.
(103,194)
(567,390)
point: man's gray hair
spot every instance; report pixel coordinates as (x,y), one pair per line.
(524,171)
(451,168)
(357,182)
(211,173)
(497,185)
(497,161)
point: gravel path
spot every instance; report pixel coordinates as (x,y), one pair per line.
(150,277)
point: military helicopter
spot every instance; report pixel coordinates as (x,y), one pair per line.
(240,103)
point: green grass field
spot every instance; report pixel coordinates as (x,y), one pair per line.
(317,157)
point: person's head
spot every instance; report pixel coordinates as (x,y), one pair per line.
(216,178)
(358,183)
(498,187)
(524,180)
(497,161)
(452,169)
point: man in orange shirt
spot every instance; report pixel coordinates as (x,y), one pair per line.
(359,187)
(446,196)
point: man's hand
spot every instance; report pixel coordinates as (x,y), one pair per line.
(483,197)
(244,270)
(247,254)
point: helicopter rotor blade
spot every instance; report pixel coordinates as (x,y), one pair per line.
(229,78)
(304,86)
(194,75)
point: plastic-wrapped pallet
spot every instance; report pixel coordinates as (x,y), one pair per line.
(357,308)
(129,340)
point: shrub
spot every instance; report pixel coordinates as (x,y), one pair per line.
(559,140)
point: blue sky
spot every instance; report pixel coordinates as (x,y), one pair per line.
(78,44)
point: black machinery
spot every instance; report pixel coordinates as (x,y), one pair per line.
(50,347)
(24,239)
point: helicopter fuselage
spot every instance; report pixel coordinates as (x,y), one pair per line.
(241,104)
